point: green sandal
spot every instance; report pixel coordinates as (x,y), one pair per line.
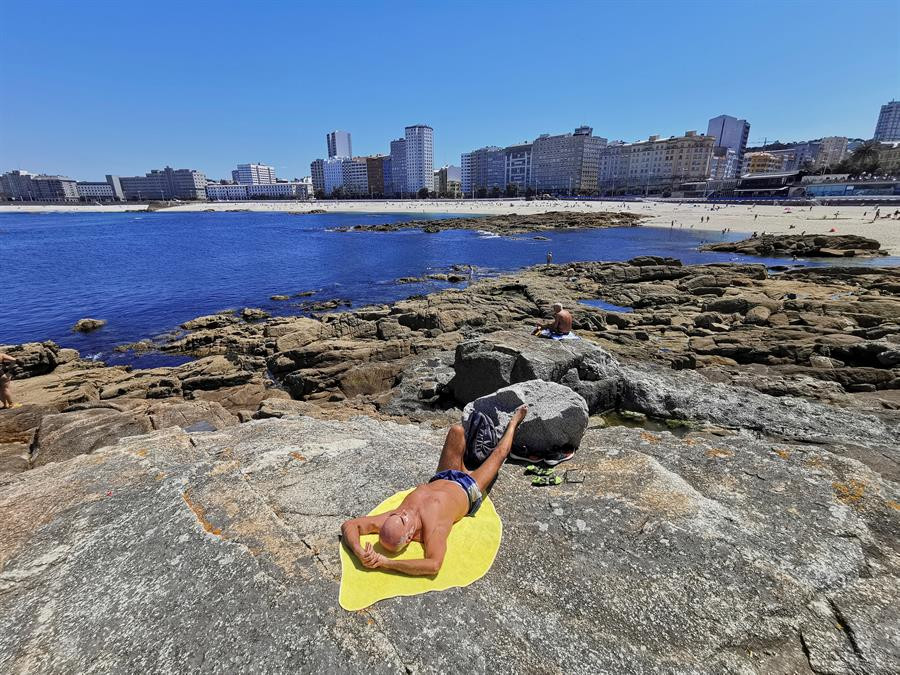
(546,480)
(534,470)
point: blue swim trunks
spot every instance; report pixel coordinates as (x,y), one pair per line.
(466,482)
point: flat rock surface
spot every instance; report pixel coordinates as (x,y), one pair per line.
(511,223)
(217,552)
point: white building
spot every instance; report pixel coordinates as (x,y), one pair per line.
(333,174)
(339,144)
(419,158)
(253,174)
(92,191)
(283,190)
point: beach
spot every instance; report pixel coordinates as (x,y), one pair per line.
(738,217)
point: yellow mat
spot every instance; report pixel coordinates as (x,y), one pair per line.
(471,548)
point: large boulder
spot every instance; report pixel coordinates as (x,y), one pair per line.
(557,416)
(499,359)
(66,435)
(32,358)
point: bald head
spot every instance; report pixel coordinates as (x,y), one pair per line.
(394,533)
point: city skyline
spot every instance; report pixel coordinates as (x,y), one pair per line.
(220,111)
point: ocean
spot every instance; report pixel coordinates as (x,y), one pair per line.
(145,273)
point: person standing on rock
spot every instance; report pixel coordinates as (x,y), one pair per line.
(5,379)
(428,513)
(559,327)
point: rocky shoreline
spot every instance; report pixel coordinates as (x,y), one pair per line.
(758,534)
(802,245)
(510,224)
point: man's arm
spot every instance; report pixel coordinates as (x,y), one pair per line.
(435,549)
(353,529)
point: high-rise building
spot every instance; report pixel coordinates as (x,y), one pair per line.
(333,170)
(655,165)
(419,158)
(375,171)
(355,176)
(888,127)
(730,132)
(317,174)
(517,167)
(833,150)
(17,185)
(483,171)
(339,144)
(398,167)
(567,163)
(253,174)
(388,171)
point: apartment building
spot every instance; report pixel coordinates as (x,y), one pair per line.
(419,158)
(655,165)
(567,163)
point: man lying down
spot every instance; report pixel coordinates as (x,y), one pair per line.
(428,513)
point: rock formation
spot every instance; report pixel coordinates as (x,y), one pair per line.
(509,224)
(802,245)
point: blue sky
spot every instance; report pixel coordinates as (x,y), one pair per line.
(88,88)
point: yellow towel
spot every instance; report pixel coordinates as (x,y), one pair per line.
(471,548)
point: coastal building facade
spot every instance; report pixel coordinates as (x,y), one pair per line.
(833,149)
(278,190)
(375,175)
(447,182)
(566,163)
(762,163)
(398,167)
(656,165)
(95,191)
(517,166)
(722,163)
(339,144)
(167,183)
(30,187)
(419,158)
(253,174)
(888,126)
(333,170)
(317,175)
(355,177)
(732,133)
(482,171)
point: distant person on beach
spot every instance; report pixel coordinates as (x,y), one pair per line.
(549,257)
(559,327)
(428,513)
(5,379)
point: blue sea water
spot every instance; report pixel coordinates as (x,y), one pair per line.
(145,273)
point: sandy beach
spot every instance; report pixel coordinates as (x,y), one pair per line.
(738,218)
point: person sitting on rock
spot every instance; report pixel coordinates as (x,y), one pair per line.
(428,513)
(5,378)
(560,327)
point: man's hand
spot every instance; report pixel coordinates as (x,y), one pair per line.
(371,558)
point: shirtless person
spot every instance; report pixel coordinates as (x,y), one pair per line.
(561,324)
(5,377)
(428,513)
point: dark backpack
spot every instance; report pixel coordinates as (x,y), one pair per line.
(481,439)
